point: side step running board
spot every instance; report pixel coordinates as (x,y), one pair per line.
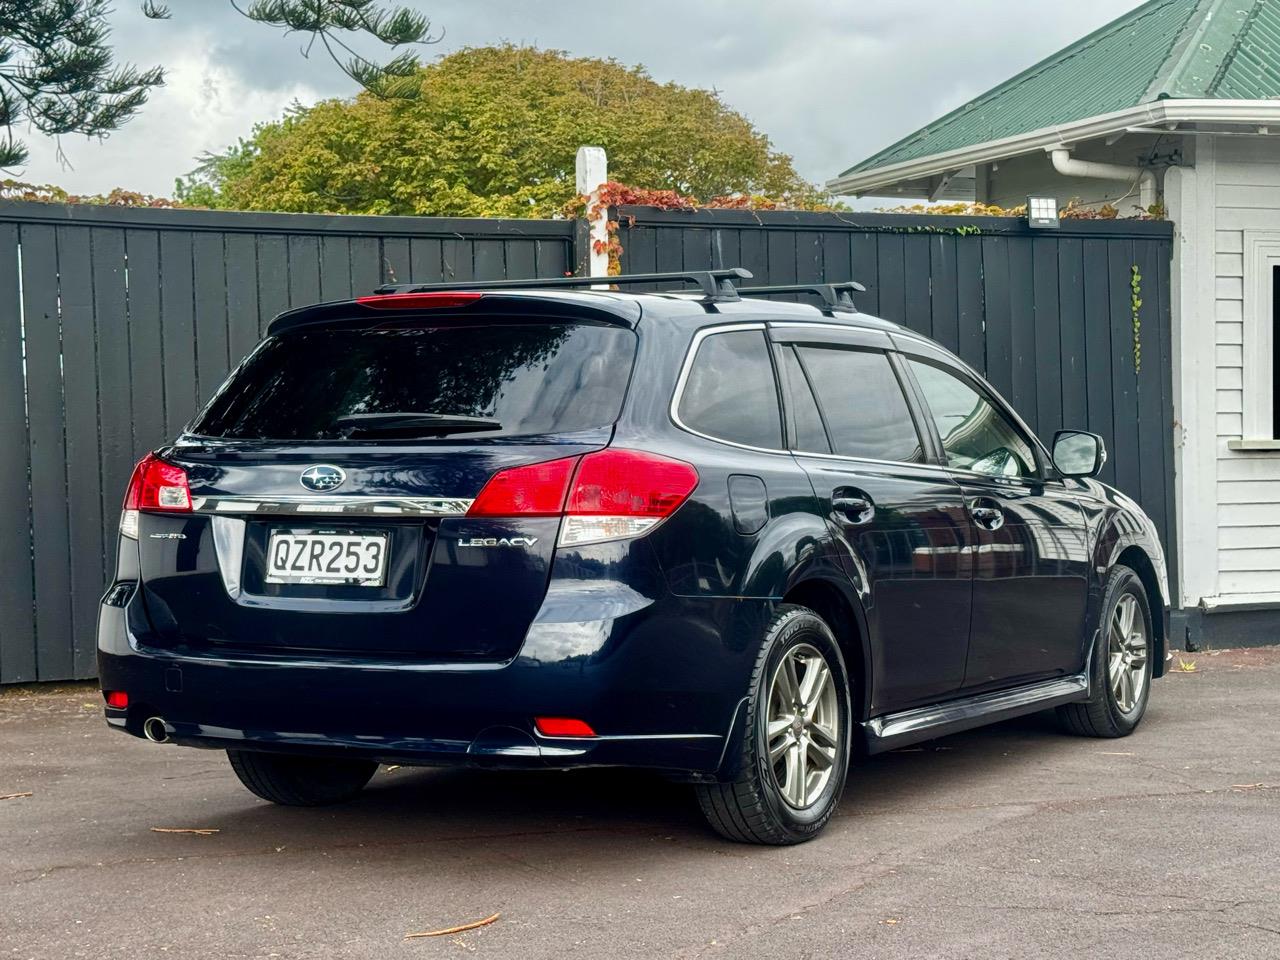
(924,723)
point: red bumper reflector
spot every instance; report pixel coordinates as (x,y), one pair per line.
(116,698)
(419,301)
(563,727)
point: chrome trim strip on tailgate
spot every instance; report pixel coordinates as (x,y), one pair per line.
(335,506)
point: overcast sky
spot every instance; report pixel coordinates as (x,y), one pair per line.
(831,82)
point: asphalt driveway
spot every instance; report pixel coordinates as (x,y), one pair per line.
(1014,841)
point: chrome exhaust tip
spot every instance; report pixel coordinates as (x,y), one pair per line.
(153,729)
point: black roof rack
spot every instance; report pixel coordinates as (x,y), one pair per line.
(715,284)
(836,297)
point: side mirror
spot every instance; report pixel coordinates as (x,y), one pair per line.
(1078,454)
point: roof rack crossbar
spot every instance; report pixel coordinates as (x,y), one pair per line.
(715,284)
(836,297)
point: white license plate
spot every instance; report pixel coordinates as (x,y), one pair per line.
(358,559)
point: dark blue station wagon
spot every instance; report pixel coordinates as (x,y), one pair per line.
(732,540)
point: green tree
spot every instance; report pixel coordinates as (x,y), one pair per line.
(494,132)
(58,72)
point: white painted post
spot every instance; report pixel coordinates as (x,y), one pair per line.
(592,167)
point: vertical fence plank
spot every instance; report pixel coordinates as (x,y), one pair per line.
(1151,433)
(304,271)
(86,271)
(695,249)
(1164,318)
(944,318)
(146,343)
(273,278)
(242,295)
(808,257)
(424,261)
(917,310)
(395,260)
(213,355)
(1097,345)
(51,547)
(457,259)
(999,316)
(1047,360)
(1075,405)
(490,263)
(335,268)
(891,270)
(864,256)
(554,258)
(17,603)
(726,249)
(754,255)
(519,257)
(114,412)
(366,265)
(970,308)
(1022,327)
(1124,385)
(177,292)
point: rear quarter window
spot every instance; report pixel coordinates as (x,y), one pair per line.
(730,393)
(527,379)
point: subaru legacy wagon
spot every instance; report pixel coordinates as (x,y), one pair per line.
(736,541)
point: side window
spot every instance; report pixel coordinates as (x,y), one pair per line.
(976,434)
(863,404)
(731,393)
(811,435)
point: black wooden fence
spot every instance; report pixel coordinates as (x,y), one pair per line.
(115,324)
(1051,317)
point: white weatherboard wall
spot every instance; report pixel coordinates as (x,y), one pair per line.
(1229,500)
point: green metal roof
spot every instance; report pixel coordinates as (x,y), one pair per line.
(1179,49)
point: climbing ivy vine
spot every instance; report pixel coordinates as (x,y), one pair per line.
(1135,302)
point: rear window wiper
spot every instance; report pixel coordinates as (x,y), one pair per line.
(415,424)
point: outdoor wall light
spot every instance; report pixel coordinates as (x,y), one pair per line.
(1042,213)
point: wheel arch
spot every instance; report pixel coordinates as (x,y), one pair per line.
(844,615)
(1137,560)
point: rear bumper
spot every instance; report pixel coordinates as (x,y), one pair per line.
(660,686)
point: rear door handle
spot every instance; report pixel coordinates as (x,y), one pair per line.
(856,509)
(989,518)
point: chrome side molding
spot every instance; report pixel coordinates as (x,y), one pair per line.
(334,506)
(924,723)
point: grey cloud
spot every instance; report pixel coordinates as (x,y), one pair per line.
(830,82)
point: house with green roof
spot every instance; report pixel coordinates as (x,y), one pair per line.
(1173,108)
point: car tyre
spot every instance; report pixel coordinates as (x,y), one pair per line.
(1120,668)
(790,783)
(301,781)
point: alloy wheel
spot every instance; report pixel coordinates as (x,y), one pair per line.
(1127,653)
(804,729)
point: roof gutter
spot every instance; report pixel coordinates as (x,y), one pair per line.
(1159,113)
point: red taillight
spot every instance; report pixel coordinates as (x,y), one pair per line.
(419,301)
(536,490)
(157,485)
(627,483)
(563,727)
(612,495)
(116,698)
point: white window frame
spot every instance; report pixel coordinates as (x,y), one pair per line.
(1261,257)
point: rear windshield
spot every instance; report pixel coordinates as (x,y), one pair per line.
(406,383)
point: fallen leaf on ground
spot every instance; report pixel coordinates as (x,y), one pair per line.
(891,921)
(15,796)
(199,831)
(458,929)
